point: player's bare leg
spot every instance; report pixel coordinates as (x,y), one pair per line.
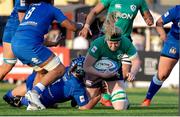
(118,95)
(9,60)
(164,69)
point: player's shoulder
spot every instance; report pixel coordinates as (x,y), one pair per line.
(99,41)
(141,1)
(125,39)
(177,8)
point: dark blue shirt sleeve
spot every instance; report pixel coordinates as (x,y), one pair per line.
(169,15)
(80,96)
(59,16)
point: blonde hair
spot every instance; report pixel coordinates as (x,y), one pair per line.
(109,26)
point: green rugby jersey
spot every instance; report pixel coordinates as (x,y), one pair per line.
(99,50)
(127,12)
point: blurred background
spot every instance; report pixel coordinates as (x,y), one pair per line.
(145,39)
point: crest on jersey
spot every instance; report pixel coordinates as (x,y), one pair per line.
(94,48)
(118,6)
(133,7)
(119,56)
(172,50)
(82,99)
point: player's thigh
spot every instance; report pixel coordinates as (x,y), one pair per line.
(169,57)
(19,90)
(165,67)
(7,51)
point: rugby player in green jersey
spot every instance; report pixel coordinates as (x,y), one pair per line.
(111,46)
(124,12)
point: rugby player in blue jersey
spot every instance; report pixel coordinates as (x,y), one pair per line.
(27,45)
(12,23)
(170,52)
(68,87)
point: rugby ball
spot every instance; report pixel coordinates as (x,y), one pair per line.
(106,64)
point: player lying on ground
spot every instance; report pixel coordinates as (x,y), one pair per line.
(170,52)
(68,87)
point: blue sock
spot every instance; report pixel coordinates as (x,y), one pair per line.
(24,101)
(154,87)
(39,88)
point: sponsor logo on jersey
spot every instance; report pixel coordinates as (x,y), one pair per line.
(22,3)
(31,23)
(179,24)
(124,15)
(81,98)
(166,14)
(35,60)
(118,6)
(133,7)
(172,50)
(94,48)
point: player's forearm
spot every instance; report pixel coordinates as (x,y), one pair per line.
(71,25)
(160,29)
(90,18)
(148,18)
(136,64)
(91,103)
(92,71)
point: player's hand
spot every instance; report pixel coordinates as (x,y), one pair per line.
(84,32)
(163,37)
(130,77)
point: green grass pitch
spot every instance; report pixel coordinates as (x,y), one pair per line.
(164,103)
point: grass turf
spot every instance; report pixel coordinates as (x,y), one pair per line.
(165,103)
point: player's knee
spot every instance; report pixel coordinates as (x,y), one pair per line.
(119,100)
(60,69)
(162,76)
